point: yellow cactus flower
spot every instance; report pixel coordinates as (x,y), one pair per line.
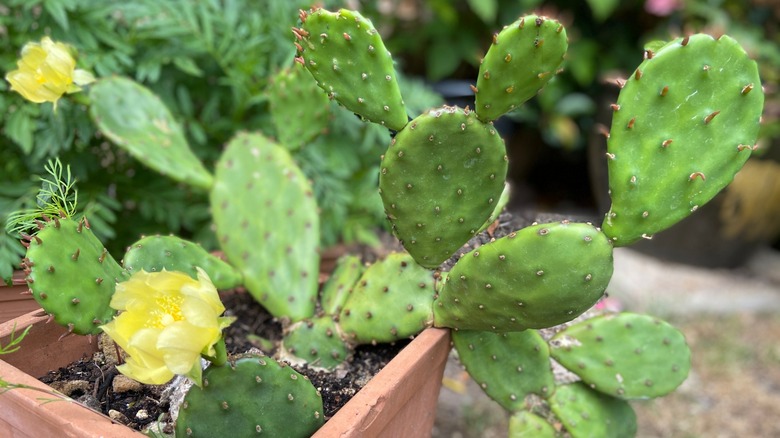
(46,71)
(167,321)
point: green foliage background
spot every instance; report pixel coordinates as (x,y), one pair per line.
(210,61)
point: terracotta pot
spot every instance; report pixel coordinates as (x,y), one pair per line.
(399,401)
(13,300)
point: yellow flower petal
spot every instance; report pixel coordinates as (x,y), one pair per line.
(181,344)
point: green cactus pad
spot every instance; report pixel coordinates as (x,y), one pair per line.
(524,56)
(155,253)
(72,275)
(625,355)
(267,224)
(586,413)
(391,301)
(251,396)
(537,277)
(339,285)
(346,55)
(507,366)
(524,424)
(299,109)
(317,342)
(684,124)
(136,120)
(440,180)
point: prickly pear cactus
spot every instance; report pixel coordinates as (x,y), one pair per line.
(537,277)
(277,255)
(155,253)
(336,290)
(299,109)
(624,355)
(316,342)
(391,301)
(136,120)
(72,275)
(524,424)
(252,396)
(346,55)
(684,124)
(524,56)
(440,180)
(507,366)
(586,413)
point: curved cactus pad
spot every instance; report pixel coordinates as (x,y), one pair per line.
(155,253)
(316,342)
(267,224)
(299,109)
(684,124)
(524,56)
(507,366)
(524,424)
(251,396)
(136,120)
(391,301)
(540,276)
(624,355)
(586,413)
(440,180)
(72,276)
(346,55)
(336,290)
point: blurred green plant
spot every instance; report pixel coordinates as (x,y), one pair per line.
(210,62)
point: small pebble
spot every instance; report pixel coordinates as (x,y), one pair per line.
(123,384)
(117,416)
(141,414)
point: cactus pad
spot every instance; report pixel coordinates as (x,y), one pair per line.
(524,56)
(625,355)
(155,253)
(299,109)
(586,413)
(524,424)
(684,124)
(336,290)
(537,277)
(440,180)
(136,120)
(72,276)
(317,342)
(267,224)
(252,396)
(346,55)
(391,301)
(507,366)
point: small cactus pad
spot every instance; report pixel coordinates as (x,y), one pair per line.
(391,301)
(685,122)
(339,285)
(299,109)
(155,253)
(267,224)
(523,57)
(316,342)
(586,413)
(440,180)
(136,120)
(625,355)
(537,277)
(507,366)
(72,276)
(346,55)
(524,424)
(252,396)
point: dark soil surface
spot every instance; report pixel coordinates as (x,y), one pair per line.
(94,382)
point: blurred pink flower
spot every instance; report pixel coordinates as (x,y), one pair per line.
(662,8)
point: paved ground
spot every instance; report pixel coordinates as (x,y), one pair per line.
(731,319)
